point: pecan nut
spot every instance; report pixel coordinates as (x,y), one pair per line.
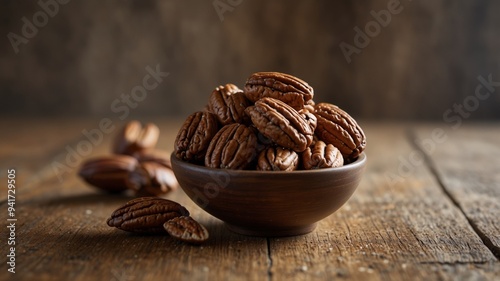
(146,215)
(195,135)
(228,103)
(108,173)
(186,229)
(152,179)
(159,156)
(278,159)
(282,124)
(233,147)
(321,155)
(134,138)
(309,106)
(337,127)
(310,118)
(287,88)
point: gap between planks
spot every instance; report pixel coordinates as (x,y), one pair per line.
(412,136)
(269,260)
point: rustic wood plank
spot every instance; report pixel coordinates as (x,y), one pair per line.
(62,234)
(468,164)
(69,237)
(31,145)
(388,230)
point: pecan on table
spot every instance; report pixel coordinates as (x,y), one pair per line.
(282,124)
(155,155)
(228,103)
(186,229)
(152,179)
(287,88)
(321,155)
(277,159)
(337,127)
(135,138)
(146,215)
(109,173)
(195,135)
(233,147)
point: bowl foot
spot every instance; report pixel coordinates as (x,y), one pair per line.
(271,232)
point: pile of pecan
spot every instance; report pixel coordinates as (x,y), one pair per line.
(134,165)
(273,124)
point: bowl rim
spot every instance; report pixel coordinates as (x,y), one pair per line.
(358,163)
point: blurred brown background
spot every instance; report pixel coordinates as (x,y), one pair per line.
(89,53)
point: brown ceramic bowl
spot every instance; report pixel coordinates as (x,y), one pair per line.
(265,203)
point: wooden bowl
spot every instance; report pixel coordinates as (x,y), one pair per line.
(268,203)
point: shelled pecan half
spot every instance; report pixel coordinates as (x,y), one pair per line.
(282,124)
(277,159)
(233,147)
(309,117)
(146,215)
(195,135)
(321,155)
(228,103)
(154,155)
(135,138)
(108,173)
(152,179)
(287,88)
(337,127)
(187,230)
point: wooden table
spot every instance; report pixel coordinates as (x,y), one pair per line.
(428,208)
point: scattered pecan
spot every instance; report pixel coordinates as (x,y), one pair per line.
(195,135)
(228,103)
(134,138)
(281,123)
(337,127)
(233,147)
(152,179)
(278,159)
(109,173)
(186,229)
(321,155)
(146,215)
(159,156)
(287,88)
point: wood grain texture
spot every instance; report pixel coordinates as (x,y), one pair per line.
(385,232)
(467,165)
(30,147)
(62,233)
(401,230)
